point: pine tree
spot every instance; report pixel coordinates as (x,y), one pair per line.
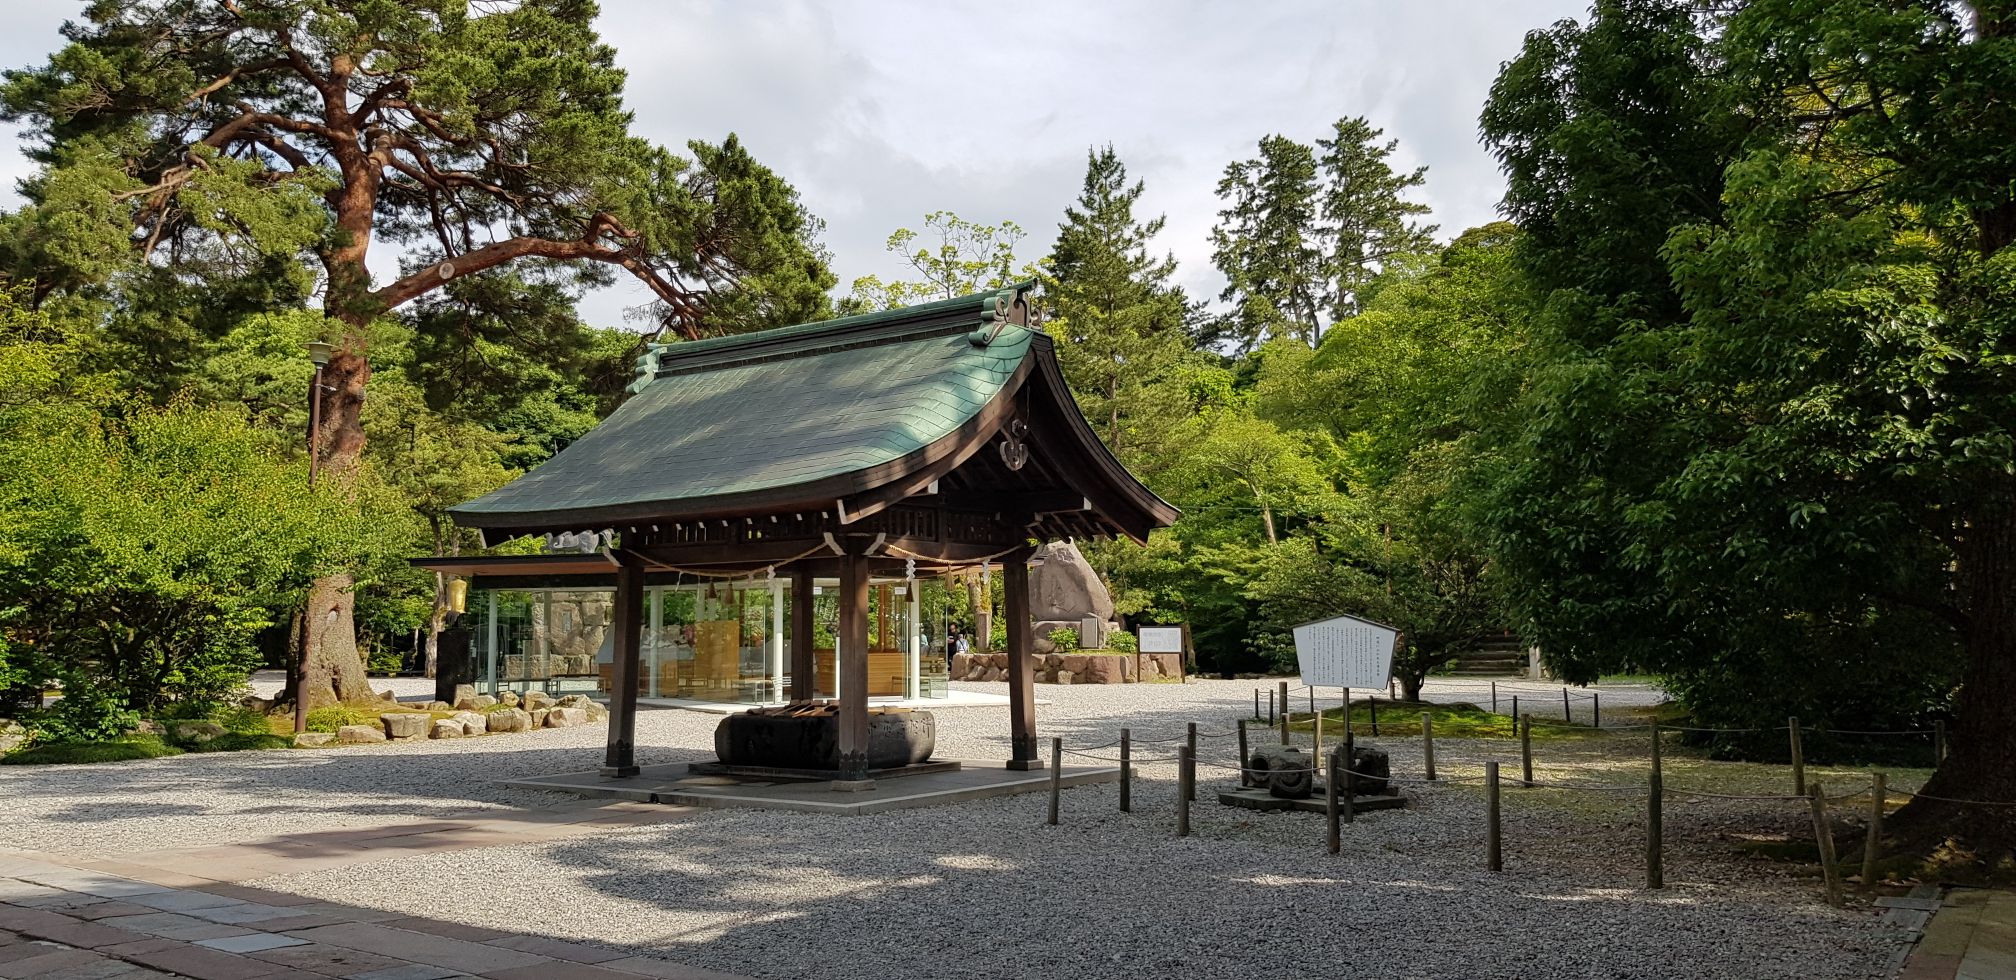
(1304,234)
(1365,220)
(1118,321)
(254,133)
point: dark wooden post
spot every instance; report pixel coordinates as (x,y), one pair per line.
(1655,821)
(1021,679)
(1191,742)
(1056,776)
(1127,771)
(1243,763)
(1526,749)
(1493,852)
(1330,787)
(804,672)
(850,671)
(1284,712)
(1798,757)
(620,758)
(1879,795)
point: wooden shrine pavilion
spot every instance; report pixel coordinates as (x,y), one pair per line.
(933,437)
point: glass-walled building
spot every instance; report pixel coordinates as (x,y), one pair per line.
(723,641)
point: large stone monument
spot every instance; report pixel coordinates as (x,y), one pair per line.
(1065,593)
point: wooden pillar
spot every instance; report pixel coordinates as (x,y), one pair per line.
(804,674)
(851,667)
(620,759)
(1021,679)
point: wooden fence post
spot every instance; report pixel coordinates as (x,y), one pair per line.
(1127,768)
(1191,743)
(1494,697)
(1879,794)
(1316,718)
(1186,775)
(1493,854)
(1243,781)
(1350,781)
(1515,709)
(1526,748)
(1798,758)
(1056,775)
(1330,800)
(1655,824)
(1312,699)
(1284,712)
(1938,742)
(1428,743)
(1373,707)
(1256,702)
(1567,713)
(1270,709)
(1823,835)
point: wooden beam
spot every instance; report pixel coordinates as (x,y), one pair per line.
(1021,676)
(851,668)
(620,756)
(804,675)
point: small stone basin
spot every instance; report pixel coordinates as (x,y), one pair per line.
(806,736)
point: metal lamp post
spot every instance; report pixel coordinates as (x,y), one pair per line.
(318,352)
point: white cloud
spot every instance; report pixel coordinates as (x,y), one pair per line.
(880,112)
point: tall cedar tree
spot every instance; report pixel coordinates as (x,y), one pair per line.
(1303,234)
(473,135)
(1779,237)
(1120,324)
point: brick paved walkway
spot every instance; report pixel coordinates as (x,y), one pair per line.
(177,913)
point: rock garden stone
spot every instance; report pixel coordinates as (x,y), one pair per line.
(574,701)
(538,717)
(509,698)
(566,717)
(508,720)
(1284,770)
(403,724)
(150,728)
(360,734)
(465,692)
(11,735)
(1065,589)
(445,728)
(536,699)
(197,731)
(389,694)
(1066,677)
(596,712)
(310,740)
(472,722)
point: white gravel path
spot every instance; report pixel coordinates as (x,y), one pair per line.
(985,889)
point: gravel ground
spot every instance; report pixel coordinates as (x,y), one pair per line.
(985,889)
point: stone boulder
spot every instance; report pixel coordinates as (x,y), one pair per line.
(312,740)
(508,720)
(566,717)
(403,724)
(539,717)
(508,698)
(472,722)
(12,735)
(1065,589)
(534,700)
(1372,770)
(198,732)
(256,703)
(446,728)
(150,728)
(389,695)
(360,734)
(464,692)
(1106,670)
(477,703)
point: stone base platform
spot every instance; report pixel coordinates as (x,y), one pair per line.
(769,773)
(1260,799)
(677,785)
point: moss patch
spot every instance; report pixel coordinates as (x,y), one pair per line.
(71,753)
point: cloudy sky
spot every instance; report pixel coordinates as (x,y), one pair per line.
(880,112)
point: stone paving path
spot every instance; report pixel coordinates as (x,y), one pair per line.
(1971,937)
(177,913)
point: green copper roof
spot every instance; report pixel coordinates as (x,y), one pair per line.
(768,411)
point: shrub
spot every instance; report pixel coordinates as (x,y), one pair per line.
(114,750)
(244,721)
(241,741)
(1121,641)
(335,716)
(1065,637)
(82,715)
(997,636)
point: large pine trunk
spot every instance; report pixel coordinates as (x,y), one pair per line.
(335,664)
(1980,764)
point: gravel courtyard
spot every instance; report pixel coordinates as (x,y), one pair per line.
(986,889)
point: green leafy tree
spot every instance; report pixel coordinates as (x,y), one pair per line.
(182,135)
(1822,406)
(960,258)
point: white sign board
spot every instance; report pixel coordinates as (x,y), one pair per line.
(1345,651)
(1161,639)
